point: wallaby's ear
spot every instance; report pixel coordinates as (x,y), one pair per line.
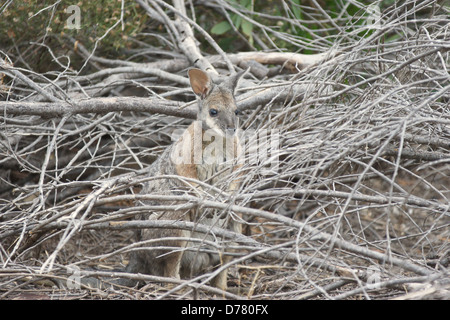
(233,80)
(200,82)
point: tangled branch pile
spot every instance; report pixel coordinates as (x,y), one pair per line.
(350,201)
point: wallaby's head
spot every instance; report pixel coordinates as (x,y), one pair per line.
(217,106)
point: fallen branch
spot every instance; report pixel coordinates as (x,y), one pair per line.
(292,61)
(97,105)
(251,99)
(301,226)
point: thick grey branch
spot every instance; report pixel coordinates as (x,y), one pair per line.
(97,105)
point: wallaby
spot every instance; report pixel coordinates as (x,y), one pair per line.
(206,152)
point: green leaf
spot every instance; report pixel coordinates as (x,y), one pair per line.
(236,20)
(221,28)
(246,3)
(296,9)
(247,28)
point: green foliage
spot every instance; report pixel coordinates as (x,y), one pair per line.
(312,28)
(291,25)
(221,28)
(241,24)
(46,22)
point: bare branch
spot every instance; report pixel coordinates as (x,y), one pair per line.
(97,105)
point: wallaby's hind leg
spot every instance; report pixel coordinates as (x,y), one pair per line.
(220,281)
(172,265)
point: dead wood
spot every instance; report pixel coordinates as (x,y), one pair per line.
(345,187)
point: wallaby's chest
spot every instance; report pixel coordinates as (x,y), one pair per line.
(206,156)
(217,162)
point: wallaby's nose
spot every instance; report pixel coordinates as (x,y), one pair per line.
(231,126)
(231,130)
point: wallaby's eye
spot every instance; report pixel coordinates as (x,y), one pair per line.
(236,112)
(213,112)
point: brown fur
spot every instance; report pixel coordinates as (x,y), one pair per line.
(211,169)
